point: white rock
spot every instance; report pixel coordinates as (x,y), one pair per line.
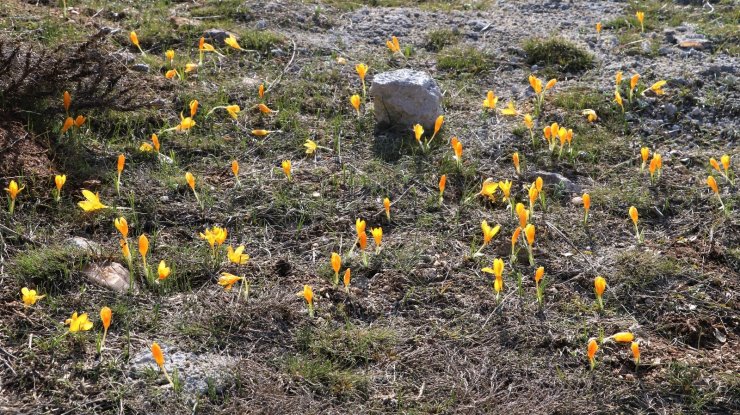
(195,371)
(90,247)
(110,275)
(405,97)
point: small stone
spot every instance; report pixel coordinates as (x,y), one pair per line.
(179,22)
(111,275)
(141,67)
(670,110)
(215,36)
(428,274)
(578,200)
(164,159)
(405,97)
(646,47)
(694,41)
(124,56)
(91,248)
(195,371)
(555,179)
(260,25)
(696,114)
(277,52)
(670,35)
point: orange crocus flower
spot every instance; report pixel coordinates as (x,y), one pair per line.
(442,185)
(592,349)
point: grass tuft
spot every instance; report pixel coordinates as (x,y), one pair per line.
(441,38)
(50,267)
(463,59)
(558,55)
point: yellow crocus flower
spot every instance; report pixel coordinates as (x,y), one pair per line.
(488,188)
(590,115)
(232,42)
(91,202)
(13,190)
(393,45)
(311,146)
(593,347)
(122,225)
(509,110)
(490,101)
(163,271)
(237,256)
(489,232)
(377,236)
(657,87)
(536,84)
(622,337)
(287,167)
(227,280)
(135,40)
(641,18)
(355,101)
(418,132)
(30,297)
(78,323)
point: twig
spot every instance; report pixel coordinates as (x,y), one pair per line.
(565,237)
(20,235)
(381,211)
(285,69)
(9,146)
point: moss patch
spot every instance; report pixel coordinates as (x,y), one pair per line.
(463,59)
(558,55)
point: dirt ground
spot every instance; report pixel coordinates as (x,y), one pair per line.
(420,330)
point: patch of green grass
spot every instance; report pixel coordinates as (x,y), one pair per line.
(641,269)
(684,380)
(50,267)
(221,9)
(347,347)
(558,55)
(46,31)
(634,44)
(577,99)
(619,197)
(191,264)
(581,98)
(463,59)
(440,38)
(259,40)
(325,377)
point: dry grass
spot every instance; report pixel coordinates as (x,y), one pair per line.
(420,331)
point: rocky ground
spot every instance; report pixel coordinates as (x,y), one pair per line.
(420,330)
